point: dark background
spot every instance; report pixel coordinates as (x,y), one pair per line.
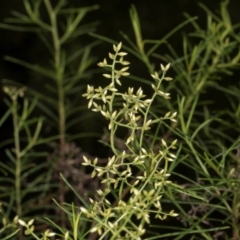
(157,18)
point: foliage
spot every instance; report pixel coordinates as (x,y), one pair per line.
(31,173)
(176,157)
(146,189)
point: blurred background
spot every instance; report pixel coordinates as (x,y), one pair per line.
(157,17)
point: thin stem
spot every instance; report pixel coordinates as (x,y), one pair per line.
(111,109)
(235,206)
(61,93)
(148,109)
(18,160)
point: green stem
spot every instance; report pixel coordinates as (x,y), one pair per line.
(18,160)
(148,109)
(61,93)
(59,71)
(113,128)
(235,207)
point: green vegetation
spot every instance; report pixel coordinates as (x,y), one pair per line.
(173,168)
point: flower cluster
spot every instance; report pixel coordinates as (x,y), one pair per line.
(146,187)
